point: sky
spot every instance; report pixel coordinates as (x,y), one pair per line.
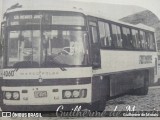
(114,9)
(152,5)
(106,9)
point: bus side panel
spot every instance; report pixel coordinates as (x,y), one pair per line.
(116,61)
(124,82)
(121,83)
(118,83)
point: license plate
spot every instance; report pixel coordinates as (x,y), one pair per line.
(40,94)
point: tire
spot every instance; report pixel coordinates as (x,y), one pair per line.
(98,106)
(143,90)
(102,105)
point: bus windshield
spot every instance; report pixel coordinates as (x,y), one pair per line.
(64,47)
(51,48)
(23,46)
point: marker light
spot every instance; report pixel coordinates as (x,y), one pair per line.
(74,93)
(83,93)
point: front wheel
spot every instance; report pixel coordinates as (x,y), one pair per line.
(98,106)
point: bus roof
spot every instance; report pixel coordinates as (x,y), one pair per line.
(96,14)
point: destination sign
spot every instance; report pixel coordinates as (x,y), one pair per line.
(47,19)
(145,59)
(28,19)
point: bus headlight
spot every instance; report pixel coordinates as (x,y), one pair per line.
(11,95)
(76,93)
(15,95)
(67,94)
(8,95)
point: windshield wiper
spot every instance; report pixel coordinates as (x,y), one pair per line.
(26,64)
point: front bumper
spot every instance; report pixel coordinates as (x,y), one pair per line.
(52,98)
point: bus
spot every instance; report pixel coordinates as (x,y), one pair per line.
(69,57)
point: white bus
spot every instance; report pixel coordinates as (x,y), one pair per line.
(56,57)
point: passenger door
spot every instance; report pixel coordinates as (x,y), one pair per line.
(95,45)
(2,44)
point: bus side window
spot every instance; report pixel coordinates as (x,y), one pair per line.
(143,40)
(94,35)
(127,42)
(0,47)
(116,35)
(105,36)
(13,47)
(135,37)
(102,34)
(108,35)
(151,41)
(0,53)
(138,40)
(146,42)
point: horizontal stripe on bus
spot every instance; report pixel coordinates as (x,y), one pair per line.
(46,82)
(47,73)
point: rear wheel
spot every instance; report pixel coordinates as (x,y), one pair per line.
(143,90)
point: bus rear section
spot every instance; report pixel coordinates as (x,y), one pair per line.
(124,59)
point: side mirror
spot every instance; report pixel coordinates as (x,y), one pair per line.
(0,56)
